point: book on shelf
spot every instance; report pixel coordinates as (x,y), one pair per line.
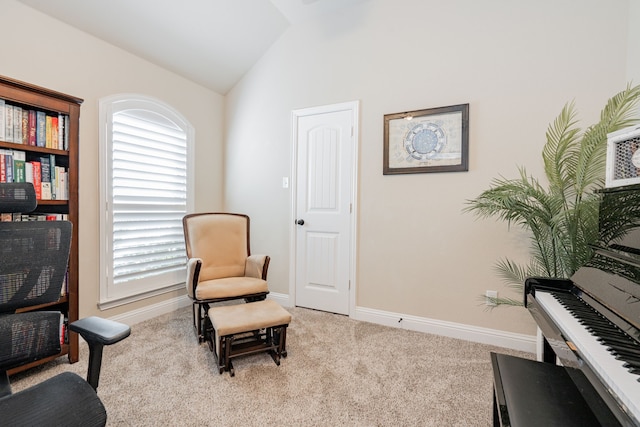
(63,327)
(17,124)
(66,133)
(19,170)
(63,185)
(32,128)
(7,159)
(54,170)
(47,131)
(25,127)
(8,123)
(61,131)
(45,169)
(41,129)
(37,179)
(28,172)
(45,190)
(54,132)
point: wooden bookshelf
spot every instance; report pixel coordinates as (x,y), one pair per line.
(31,97)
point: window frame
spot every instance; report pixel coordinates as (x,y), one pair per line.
(112,295)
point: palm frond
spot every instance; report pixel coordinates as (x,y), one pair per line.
(561,136)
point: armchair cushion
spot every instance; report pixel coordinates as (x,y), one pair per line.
(221,244)
(250,283)
(230,287)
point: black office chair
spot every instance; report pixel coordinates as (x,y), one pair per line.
(33,264)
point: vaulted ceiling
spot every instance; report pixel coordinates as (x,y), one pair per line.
(211,42)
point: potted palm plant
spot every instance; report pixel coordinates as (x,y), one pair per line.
(561,213)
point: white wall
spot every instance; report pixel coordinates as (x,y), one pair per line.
(48,53)
(515,63)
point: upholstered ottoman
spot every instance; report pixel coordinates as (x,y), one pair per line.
(249,328)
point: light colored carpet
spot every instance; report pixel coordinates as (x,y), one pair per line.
(338,372)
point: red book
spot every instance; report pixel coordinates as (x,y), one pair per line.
(3,170)
(37,179)
(32,127)
(54,132)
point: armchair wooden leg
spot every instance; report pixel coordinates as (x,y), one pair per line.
(199,315)
(195,315)
(227,354)
(282,341)
(275,356)
(219,353)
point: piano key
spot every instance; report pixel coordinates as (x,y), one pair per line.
(624,384)
(619,347)
(624,355)
(631,364)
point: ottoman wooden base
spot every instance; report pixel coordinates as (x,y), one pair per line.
(242,329)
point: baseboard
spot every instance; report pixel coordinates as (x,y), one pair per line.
(478,334)
(282,299)
(149,312)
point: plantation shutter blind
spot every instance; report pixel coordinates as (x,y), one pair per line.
(149,199)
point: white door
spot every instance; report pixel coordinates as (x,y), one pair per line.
(325,165)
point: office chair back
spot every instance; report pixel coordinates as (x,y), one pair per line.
(34,256)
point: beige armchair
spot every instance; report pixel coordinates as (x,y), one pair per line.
(220,266)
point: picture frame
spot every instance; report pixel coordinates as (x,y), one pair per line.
(429,140)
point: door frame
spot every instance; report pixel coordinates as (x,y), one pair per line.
(354,108)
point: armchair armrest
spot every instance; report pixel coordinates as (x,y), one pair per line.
(257,266)
(193,274)
(98,332)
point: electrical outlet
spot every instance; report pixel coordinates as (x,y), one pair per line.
(489,295)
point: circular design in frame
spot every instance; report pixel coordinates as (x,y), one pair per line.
(425,140)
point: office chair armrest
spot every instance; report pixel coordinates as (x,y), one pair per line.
(103,331)
(193,275)
(257,266)
(98,332)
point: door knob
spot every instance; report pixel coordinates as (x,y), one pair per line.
(300,222)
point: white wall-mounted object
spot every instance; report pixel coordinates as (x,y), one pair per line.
(623,157)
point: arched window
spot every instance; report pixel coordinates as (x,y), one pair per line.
(145,190)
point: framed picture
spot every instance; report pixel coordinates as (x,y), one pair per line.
(431,140)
